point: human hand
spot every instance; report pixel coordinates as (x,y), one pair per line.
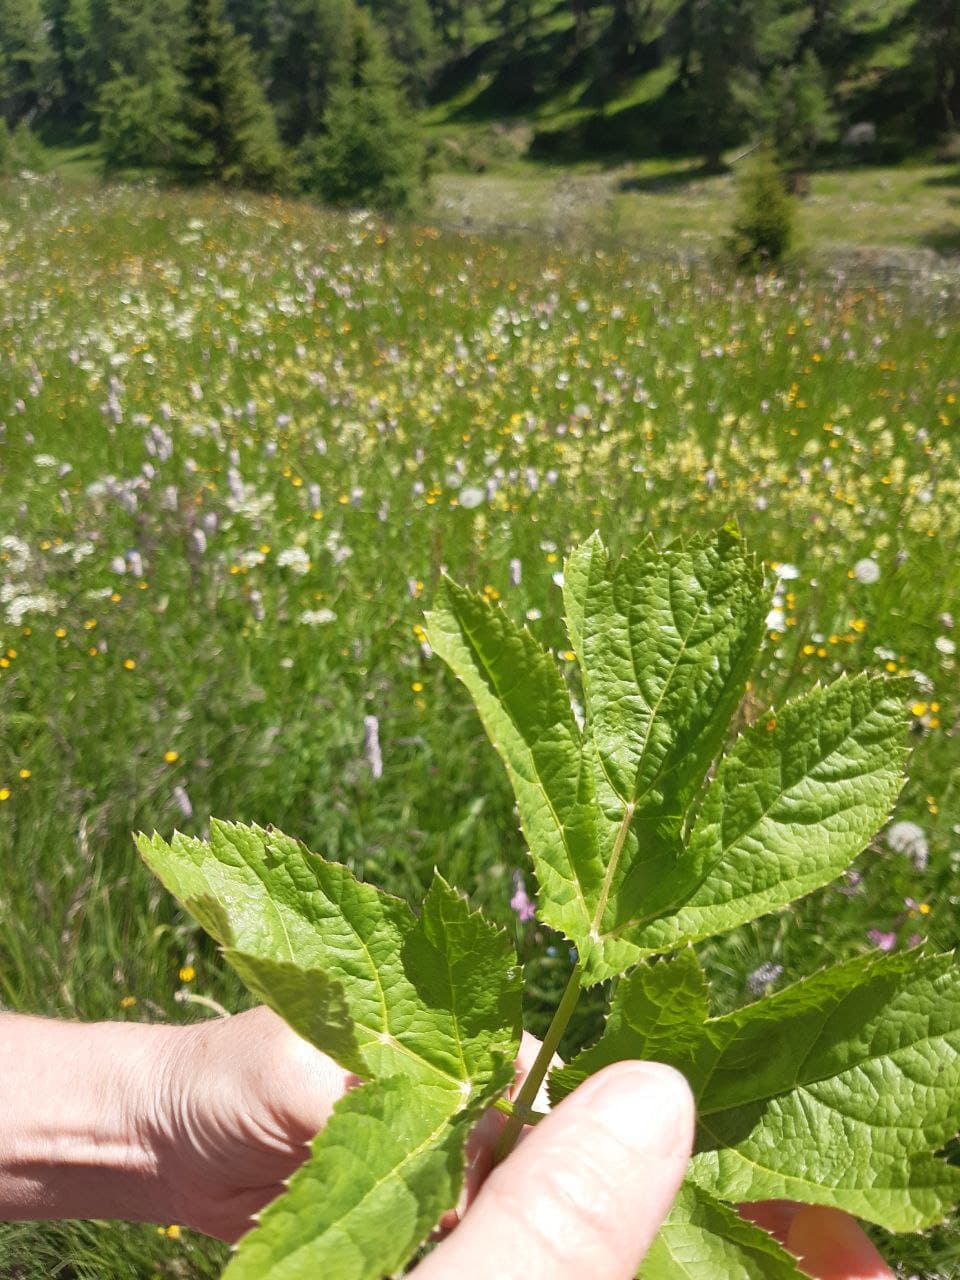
(233,1105)
(828,1243)
(584,1192)
(237,1102)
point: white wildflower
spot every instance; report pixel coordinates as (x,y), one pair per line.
(317,617)
(16,551)
(945,645)
(907,837)
(19,606)
(471,497)
(866,571)
(295,559)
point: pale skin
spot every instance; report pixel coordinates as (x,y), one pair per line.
(202,1125)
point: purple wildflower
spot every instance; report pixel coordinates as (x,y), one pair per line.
(765,975)
(521,902)
(882,941)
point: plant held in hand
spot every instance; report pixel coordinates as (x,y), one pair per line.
(836,1091)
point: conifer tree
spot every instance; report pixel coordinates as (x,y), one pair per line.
(763,226)
(140,101)
(28,67)
(231,129)
(313,52)
(411,41)
(370,154)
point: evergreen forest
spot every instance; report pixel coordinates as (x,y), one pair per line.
(331,96)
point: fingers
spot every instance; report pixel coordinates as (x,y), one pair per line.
(775,1216)
(484,1135)
(831,1246)
(586,1192)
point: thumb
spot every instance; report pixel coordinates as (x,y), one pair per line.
(587,1189)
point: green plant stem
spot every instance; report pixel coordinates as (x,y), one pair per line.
(523,1103)
(506,1107)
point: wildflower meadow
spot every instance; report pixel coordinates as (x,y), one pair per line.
(241,440)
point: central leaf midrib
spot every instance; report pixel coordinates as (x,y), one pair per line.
(654,710)
(621,837)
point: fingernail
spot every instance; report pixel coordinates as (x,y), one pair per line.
(647,1105)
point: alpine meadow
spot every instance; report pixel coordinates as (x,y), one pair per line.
(552,638)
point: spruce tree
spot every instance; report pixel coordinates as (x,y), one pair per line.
(411,42)
(763,226)
(140,100)
(28,65)
(369,154)
(313,52)
(231,129)
(797,112)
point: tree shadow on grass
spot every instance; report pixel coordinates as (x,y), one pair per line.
(944,239)
(949,179)
(664,183)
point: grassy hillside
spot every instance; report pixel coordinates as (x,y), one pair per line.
(579,99)
(901,218)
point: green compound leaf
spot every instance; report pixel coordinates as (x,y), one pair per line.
(381,1174)
(833,1091)
(797,798)
(703,1237)
(525,708)
(349,967)
(665,641)
(430,1006)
